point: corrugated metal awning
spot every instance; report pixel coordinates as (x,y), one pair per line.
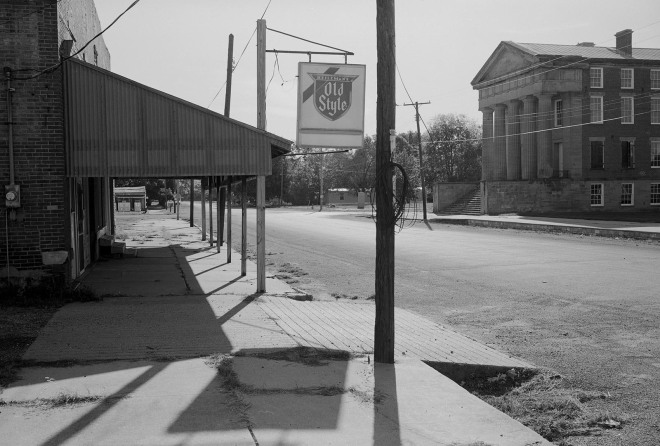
(116,127)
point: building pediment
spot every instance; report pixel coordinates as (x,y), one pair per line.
(507,60)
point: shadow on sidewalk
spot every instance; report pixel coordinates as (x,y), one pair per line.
(159,312)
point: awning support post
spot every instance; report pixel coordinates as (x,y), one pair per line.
(229,220)
(261,234)
(203,203)
(243,226)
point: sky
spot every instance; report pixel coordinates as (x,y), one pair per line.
(180,47)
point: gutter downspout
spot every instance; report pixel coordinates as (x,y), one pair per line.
(10,125)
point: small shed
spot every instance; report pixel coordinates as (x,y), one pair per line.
(130,199)
(341,196)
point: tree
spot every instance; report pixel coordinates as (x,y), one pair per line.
(453,150)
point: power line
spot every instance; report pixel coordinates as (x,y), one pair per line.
(239,57)
(533,131)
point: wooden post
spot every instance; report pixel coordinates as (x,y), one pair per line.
(192,202)
(243,226)
(211,211)
(203,203)
(321,181)
(385,121)
(261,234)
(219,214)
(229,220)
(261,179)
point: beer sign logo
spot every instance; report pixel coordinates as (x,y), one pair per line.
(333,94)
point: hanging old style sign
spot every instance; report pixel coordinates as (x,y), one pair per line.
(330,105)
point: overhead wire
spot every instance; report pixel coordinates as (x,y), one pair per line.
(235,65)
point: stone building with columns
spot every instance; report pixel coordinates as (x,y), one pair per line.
(570,127)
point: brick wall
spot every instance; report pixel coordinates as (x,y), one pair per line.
(613,130)
(563,195)
(30,34)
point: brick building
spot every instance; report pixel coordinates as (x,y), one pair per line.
(32,33)
(70,126)
(570,127)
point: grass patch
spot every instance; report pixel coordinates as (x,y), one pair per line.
(544,402)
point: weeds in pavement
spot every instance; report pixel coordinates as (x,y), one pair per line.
(61,400)
(544,402)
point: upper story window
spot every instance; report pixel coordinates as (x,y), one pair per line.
(598,153)
(628,153)
(596,77)
(655,153)
(655,110)
(627,110)
(96,56)
(655,79)
(596,106)
(559,113)
(627,78)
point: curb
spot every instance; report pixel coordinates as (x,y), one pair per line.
(580,230)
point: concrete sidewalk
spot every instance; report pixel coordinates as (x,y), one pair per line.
(181,351)
(622,229)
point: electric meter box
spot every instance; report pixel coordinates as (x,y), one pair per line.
(12,196)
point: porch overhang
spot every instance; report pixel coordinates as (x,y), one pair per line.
(116,127)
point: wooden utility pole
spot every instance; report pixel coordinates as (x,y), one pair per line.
(261,179)
(385,121)
(230,71)
(419,141)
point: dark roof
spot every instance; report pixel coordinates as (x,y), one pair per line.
(591,52)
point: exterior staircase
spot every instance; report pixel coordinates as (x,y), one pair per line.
(468,204)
